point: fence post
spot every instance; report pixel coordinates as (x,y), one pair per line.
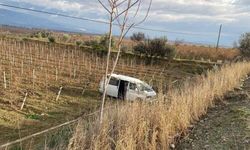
(4,80)
(56,74)
(59,93)
(22,68)
(26,94)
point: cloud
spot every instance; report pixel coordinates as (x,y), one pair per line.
(67,6)
(56,4)
(176,15)
(221,11)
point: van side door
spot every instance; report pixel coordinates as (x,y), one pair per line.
(112,89)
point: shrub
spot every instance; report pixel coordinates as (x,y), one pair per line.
(155,48)
(45,34)
(101,45)
(140,48)
(170,51)
(36,35)
(78,43)
(52,39)
(66,37)
(244,46)
(40,34)
(25,39)
(104,41)
(95,45)
(138,37)
(91,43)
(124,49)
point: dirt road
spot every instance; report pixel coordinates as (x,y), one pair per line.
(225,127)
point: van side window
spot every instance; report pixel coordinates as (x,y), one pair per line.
(113,81)
(132,86)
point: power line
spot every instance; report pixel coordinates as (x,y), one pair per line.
(53,13)
(103,22)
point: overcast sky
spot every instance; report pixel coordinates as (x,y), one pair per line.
(190,20)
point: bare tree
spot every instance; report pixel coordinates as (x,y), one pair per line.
(125,15)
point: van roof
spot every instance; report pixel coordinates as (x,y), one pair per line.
(126,78)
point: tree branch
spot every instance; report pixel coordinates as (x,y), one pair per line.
(148,10)
(104,6)
(130,6)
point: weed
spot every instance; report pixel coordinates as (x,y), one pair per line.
(33,116)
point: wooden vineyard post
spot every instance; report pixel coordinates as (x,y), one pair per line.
(4,80)
(59,93)
(90,69)
(41,66)
(74,72)
(79,68)
(47,58)
(59,65)
(26,94)
(22,68)
(33,77)
(13,60)
(85,87)
(63,56)
(31,60)
(73,68)
(11,74)
(69,66)
(46,82)
(56,74)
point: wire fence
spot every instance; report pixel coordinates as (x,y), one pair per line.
(9,144)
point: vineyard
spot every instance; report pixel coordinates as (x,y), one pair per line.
(44,84)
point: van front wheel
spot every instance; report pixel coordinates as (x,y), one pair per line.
(139,99)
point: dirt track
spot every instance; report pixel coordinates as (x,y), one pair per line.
(225,127)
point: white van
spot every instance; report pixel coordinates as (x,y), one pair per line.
(128,88)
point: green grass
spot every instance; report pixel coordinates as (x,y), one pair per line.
(33,116)
(39,114)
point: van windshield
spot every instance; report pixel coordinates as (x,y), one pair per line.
(144,87)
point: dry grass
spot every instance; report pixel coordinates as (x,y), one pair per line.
(156,126)
(198,52)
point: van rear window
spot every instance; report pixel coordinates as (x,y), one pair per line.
(113,81)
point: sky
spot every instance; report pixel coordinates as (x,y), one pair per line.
(196,21)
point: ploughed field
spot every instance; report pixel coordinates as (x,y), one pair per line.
(36,71)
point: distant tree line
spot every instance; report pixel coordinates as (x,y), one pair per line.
(44,34)
(151,48)
(100,44)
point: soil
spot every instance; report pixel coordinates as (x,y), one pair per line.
(225,127)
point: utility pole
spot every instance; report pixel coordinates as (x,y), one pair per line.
(218,41)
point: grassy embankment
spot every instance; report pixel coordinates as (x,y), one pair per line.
(157,125)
